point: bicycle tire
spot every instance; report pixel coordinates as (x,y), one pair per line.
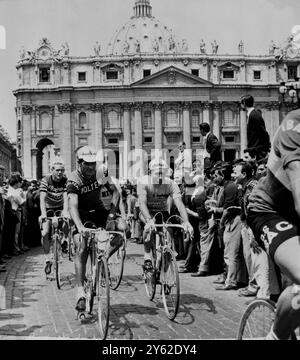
(257,320)
(116,267)
(57,257)
(103,290)
(150,277)
(170,284)
(89,285)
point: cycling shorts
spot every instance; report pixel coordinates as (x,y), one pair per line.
(271,230)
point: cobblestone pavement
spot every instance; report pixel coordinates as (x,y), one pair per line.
(35,308)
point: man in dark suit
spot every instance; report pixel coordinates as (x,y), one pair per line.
(257,135)
(212,146)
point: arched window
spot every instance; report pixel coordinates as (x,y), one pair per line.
(195,118)
(172,118)
(113,119)
(148,120)
(45,121)
(82,121)
(19,125)
(228,118)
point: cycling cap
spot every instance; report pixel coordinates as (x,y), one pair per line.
(158,164)
(87,154)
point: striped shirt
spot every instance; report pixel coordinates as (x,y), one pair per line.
(54,190)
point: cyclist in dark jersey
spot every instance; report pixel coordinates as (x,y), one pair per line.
(274,217)
(53,196)
(85,204)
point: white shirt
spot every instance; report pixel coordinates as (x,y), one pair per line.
(16,197)
(249,111)
(206,154)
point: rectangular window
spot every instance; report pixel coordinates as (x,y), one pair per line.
(292,72)
(146,73)
(229,139)
(111,75)
(148,139)
(83,141)
(228,74)
(257,75)
(82,76)
(196,139)
(173,139)
(44,74)
(113,141)
(195,72)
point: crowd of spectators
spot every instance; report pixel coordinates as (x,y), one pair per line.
(19,212)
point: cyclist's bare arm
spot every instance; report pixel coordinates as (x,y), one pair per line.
(66,204)
(181,208)
(293,173)
(144,208)
(73,208)
(43,196)
(115,195)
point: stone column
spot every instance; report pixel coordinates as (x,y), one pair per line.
(243,131)
(216,126)
(138,130)
(158,126)
(98,136)
(66,136)
(275,116)
(34,163)
(127,126)
(206,112)
(186,125)
(66,73)
(26,145)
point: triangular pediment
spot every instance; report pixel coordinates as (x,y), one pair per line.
(172,77)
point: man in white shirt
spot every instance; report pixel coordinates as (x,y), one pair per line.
(16,197)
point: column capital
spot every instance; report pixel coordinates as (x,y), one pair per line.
(34,151)
(126,106)
(65,108)
(96,64)
(27,109)
(216,105)
(96,107)
(138,106)
(186,105)
(206,105)
(157,105)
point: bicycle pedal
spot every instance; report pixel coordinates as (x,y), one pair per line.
(81,315)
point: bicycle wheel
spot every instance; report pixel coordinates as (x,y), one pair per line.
(116,267)
(89,286)
(103,297)
(57,260)
(257,320)
(150,278)
(170,284)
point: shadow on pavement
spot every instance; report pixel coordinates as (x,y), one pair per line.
(185,316)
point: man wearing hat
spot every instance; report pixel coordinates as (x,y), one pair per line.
(84,189)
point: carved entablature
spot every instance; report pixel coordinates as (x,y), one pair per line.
(171,77)
(156,62)
(96,107)
(111,67)
(185,62)
(43,54)
(228,65)
(186,105)
(158,105)
(65,108)
(27,109)
(206,105)
(97,65)
(216,105)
